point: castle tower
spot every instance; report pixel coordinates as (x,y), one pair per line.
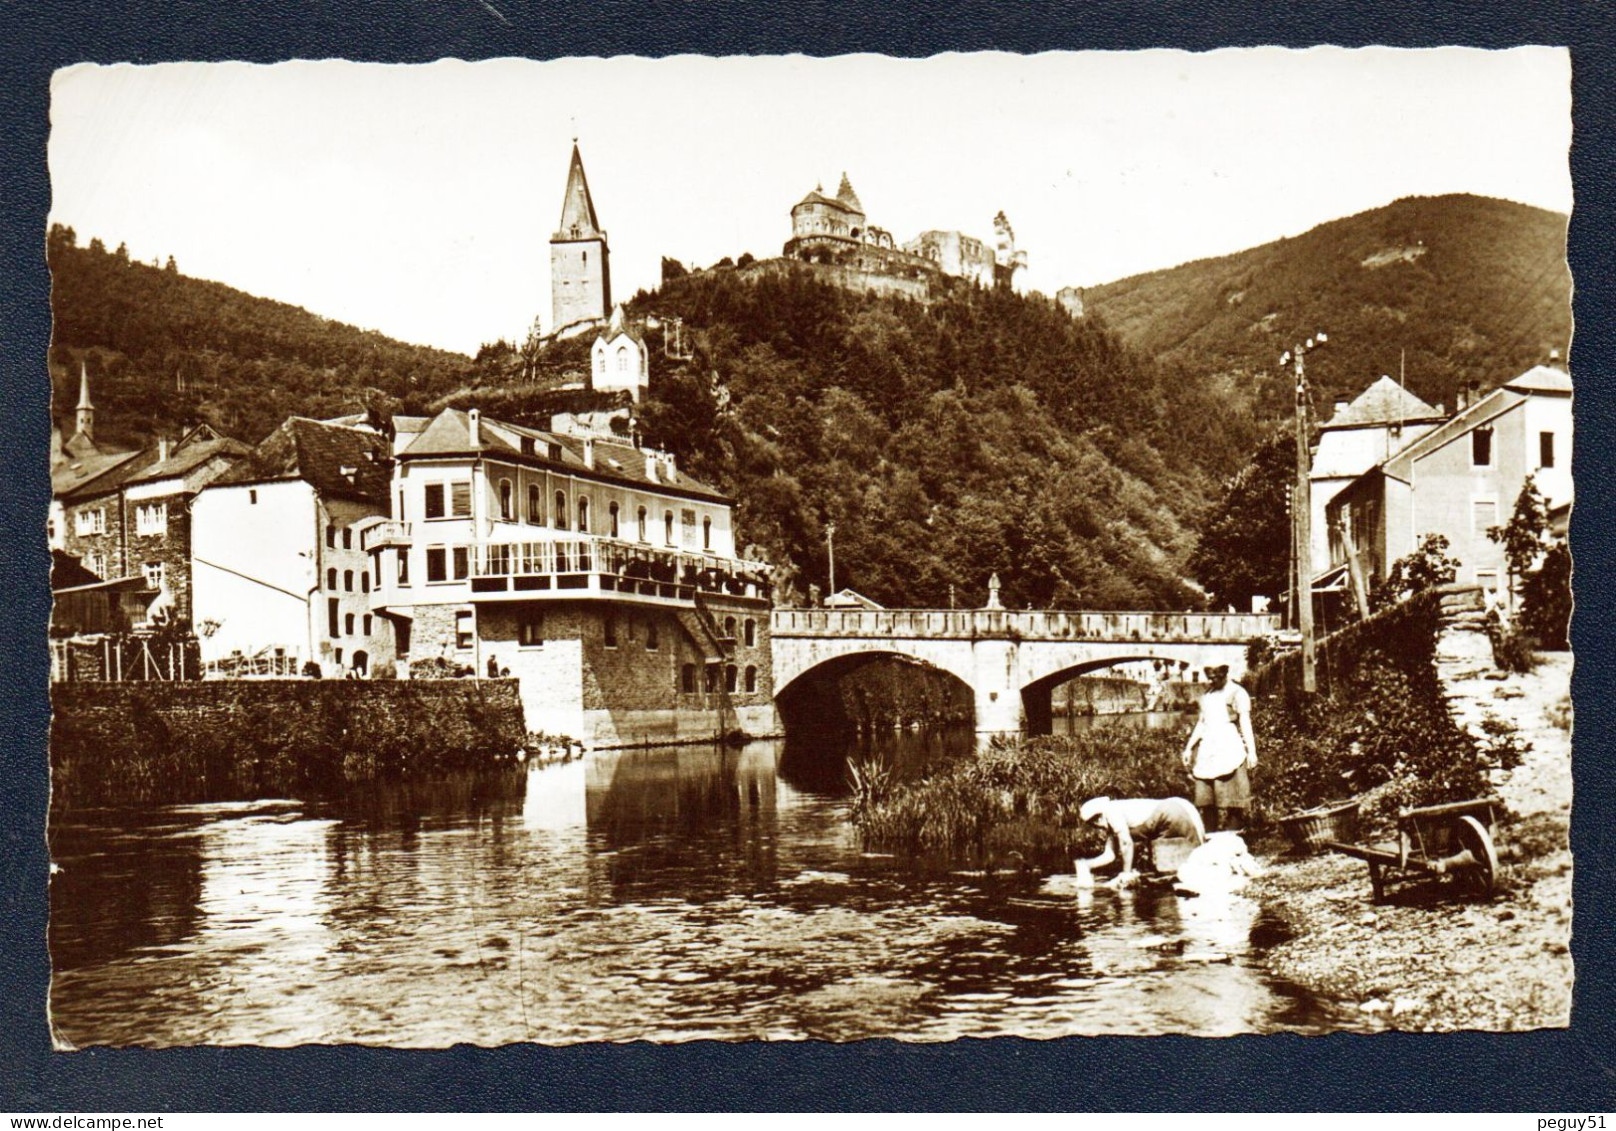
(580,274)
(84,417)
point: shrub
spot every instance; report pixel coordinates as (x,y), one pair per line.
(1513,646)
(1546,599)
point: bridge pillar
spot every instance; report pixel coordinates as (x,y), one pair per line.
(997,686)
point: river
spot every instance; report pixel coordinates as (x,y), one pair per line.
(665,894)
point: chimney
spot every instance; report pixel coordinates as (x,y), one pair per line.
(1341,403)
(162,449)
(474,427)
(1459,395)
(589,452)
(672,468)
(651,467)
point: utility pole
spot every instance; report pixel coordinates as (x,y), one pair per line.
(830,550)
(1301,517)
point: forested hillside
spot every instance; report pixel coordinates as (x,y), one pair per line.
(986,433)
(1473,289)
(165,350)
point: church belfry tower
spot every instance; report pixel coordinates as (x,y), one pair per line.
(580,272)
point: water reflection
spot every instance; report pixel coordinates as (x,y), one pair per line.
(661,894)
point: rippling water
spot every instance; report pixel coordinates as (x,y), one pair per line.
(669,894)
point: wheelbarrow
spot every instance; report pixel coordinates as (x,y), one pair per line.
(1455,839)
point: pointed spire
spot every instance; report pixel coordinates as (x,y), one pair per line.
(84,386)
(84,418)
(617,323)
(847,196)
(578,219)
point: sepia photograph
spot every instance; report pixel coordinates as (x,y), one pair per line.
(771,548)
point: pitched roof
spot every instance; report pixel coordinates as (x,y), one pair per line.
(1541,379)
(578,219)
(618,326)
(186,458)
(847,196)
(91,474)
(449,434)
(1384,402)
(336,460)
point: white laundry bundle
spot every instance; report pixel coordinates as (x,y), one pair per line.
(1222,864)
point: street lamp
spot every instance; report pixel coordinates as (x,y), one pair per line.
(830,551)
(1302,514)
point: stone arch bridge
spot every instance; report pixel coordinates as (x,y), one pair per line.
(1012,661)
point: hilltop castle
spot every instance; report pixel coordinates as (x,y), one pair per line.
(834,230)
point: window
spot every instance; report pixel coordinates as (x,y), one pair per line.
(729,628)
(687,679)
(367,624)
(561,510)
(530,626)
(644,537)
(1545,449)
(729,678)
(347,581)
(535,504)
(609,629)
(611,520)
(330,537)
(437,560)
(583,516)
(751,678)
(337,653)
(1483,515)
(710,678)
(460,500)
(331,578)
(403,567)
(347,537)
(91,522)
(652,640)
(1481,447)
(600,364)
(347,624)
(622,359)
(462,563)
(252,496)
(364,582)
(464,630)
(333,615)
(706,534)
(507,501)
(151,518)
(96,563)
(433,507)
(751,632)
(667,525)
(154,574)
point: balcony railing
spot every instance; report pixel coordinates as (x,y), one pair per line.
(389,532)
(601,565)
(1029,625)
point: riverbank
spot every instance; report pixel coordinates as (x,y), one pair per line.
(1423,961)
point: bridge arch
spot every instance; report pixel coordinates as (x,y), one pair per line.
(1037,697)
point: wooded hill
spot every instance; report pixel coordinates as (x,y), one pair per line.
(1472,288)
(165,350)
(985,433)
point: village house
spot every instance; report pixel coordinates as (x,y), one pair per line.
(1459,479)
(596,573)
(619,359)
(279,574)
(1362,433)
(125,515)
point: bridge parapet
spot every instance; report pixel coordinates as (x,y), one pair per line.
(1009,624)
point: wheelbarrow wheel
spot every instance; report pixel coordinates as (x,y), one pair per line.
(1472,836)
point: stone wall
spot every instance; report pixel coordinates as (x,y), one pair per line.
(226,740)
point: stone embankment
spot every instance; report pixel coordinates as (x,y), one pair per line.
(1424,959)
(234,740)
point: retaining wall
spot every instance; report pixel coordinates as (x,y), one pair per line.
(228,740)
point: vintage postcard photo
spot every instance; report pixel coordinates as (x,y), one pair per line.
(810,549)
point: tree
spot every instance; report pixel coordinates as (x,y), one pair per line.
(172,267)
(1426,568)
(1245,546)
(672,269)
(1526,535)
(746,259)
(1546,600)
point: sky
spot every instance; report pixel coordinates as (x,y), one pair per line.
(419,200)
